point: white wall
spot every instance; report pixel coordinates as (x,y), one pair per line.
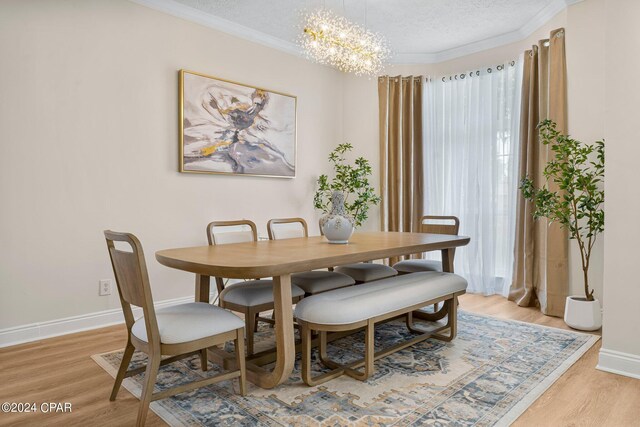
(620,337)
(585,67)
(89,141)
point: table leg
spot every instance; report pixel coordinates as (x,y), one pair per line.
(203,285)
(447,259)
(285,342)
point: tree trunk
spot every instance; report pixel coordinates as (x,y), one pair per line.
(588,295)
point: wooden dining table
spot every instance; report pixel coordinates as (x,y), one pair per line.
(280,258)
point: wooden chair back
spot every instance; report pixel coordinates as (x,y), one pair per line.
(132,279)
(440,224)
(277,228)
(217,235)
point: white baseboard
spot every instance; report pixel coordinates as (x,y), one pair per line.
(69,325)
(619,363)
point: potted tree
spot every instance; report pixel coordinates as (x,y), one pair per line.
(345,200)
(577,170)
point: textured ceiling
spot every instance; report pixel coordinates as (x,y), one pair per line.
(410,26)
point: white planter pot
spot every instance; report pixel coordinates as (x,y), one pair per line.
(582,314)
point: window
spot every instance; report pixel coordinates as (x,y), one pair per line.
(471,141)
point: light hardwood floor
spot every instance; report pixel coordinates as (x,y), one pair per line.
(61,370)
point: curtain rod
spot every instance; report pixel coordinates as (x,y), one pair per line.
(395,78)
(489,70)
(459,76)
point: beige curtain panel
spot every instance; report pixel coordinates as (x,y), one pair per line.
(401,172)
(541,249)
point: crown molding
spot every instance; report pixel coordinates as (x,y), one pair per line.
(183,11)
(180,10)
(541,18)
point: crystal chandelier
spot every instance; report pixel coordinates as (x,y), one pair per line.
(333,40)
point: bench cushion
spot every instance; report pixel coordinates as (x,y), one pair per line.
(366,271)
(415,265)
(361,302)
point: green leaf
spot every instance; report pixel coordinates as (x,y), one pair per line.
(352,179)
(572,194)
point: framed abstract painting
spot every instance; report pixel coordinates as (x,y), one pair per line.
(232,128)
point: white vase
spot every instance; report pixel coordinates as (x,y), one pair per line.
(582,314)
(337,226)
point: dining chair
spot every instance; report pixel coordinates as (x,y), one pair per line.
(311,282)
(249,297)
(177,331)
(430,224)
(363,272)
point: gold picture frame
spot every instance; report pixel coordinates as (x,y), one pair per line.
(231,128)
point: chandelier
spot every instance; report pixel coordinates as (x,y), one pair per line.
(333,40)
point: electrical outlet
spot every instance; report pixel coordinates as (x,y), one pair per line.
(104,287)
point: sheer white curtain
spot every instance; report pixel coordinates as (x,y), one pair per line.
(471,132)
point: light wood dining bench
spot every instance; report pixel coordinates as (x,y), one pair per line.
(363,306)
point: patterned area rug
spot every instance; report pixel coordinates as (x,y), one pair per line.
(487,376)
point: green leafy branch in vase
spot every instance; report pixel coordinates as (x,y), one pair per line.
(577,171)
(350,179)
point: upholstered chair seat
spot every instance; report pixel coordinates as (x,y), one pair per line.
(449,225)
(315,282)
(253,293)
(366,271)
(417,265)
(189,322)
